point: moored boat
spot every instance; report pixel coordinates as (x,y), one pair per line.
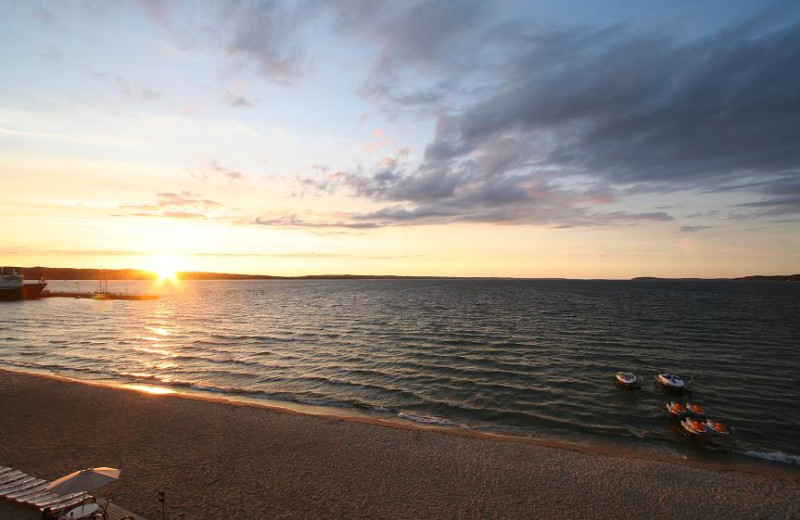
(717,428)
(670,381)
(13,286)
(627,379)
(694,427)
(695,410)
(676,409)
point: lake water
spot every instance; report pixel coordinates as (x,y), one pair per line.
(523,357)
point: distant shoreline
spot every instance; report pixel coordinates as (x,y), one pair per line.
(63,273)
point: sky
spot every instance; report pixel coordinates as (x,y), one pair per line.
(575,139)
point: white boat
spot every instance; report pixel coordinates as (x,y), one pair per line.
(10,285)
(627,379)
(670,381)
(13,286)
(693,427)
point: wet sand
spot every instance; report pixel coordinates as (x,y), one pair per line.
(217,460)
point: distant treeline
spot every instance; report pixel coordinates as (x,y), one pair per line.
(775,277)
(64,273)
(657,279)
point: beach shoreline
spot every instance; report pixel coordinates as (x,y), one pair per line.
(420,471)
(595,447)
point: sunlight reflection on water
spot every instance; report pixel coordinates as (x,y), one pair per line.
(148,389)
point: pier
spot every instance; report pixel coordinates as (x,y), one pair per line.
(98,295)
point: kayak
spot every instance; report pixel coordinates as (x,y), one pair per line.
(627,379)
(717,428)
(676,409)
(693,427)
(695,410)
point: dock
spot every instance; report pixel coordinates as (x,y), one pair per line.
(97,295)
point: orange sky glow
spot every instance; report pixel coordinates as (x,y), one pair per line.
(128,139)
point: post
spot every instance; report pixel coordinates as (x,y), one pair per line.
(162,500)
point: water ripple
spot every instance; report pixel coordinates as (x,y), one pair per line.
(533,357)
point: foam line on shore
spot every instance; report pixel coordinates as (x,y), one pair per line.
(774,466)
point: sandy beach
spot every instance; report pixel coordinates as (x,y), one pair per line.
(216,460)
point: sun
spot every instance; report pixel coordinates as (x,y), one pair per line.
(165,267)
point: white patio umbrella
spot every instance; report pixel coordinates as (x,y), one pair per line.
(84,480)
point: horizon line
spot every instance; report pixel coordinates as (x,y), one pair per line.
(214,275)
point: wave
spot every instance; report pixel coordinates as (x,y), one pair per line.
(533,357)
(55,367)
(219,361)
(221,389)
(431,419)
(775,456)
(307,398)
(461,342)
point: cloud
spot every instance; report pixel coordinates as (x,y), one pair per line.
(418,41)
(171,214)
(184,198)
(782,197)
(183,214)
(73,252)
(303,255)
(293,221)
(544,125)
(158,10)
(636,109)
(692,229)
(426,195)
(233,175)
(434,214)
(789,205)
(237,100)
(268,37)
(212,171)
(272,255)
(263,37)
(51,54)
(227,173)
(44,16)
(128,89)
(256,37)
(235,96)
(178,205)
(124,86)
